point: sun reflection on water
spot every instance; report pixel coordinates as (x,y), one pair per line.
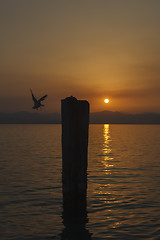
(107,165)
(107,159)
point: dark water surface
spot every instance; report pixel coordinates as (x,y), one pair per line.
(123,182)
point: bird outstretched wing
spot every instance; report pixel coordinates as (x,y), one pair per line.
(33,97)
(42,98)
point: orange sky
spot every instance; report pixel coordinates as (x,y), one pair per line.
(90,49)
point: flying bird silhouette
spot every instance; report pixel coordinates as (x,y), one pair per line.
(37,103)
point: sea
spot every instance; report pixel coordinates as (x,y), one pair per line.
(123,194)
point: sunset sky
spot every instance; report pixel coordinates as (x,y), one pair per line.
(91,49)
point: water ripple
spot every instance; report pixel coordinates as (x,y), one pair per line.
(123,182)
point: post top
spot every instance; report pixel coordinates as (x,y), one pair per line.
(71,98)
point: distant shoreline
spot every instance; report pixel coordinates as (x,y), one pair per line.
(104,117)
(89,123)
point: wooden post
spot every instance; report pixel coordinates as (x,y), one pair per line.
(75,122)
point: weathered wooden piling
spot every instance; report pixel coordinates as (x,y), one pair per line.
(75,123)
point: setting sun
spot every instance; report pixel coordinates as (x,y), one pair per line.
(106,100)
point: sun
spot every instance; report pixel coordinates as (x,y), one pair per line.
(106,100)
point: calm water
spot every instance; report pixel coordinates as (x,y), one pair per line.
(123,182)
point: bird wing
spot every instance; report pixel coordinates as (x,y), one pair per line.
(42,98)
(33,97)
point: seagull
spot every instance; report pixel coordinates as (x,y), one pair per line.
(37,103)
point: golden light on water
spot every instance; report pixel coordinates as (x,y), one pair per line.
(106,100)
(107,150)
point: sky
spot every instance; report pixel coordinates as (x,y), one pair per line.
(90,49)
